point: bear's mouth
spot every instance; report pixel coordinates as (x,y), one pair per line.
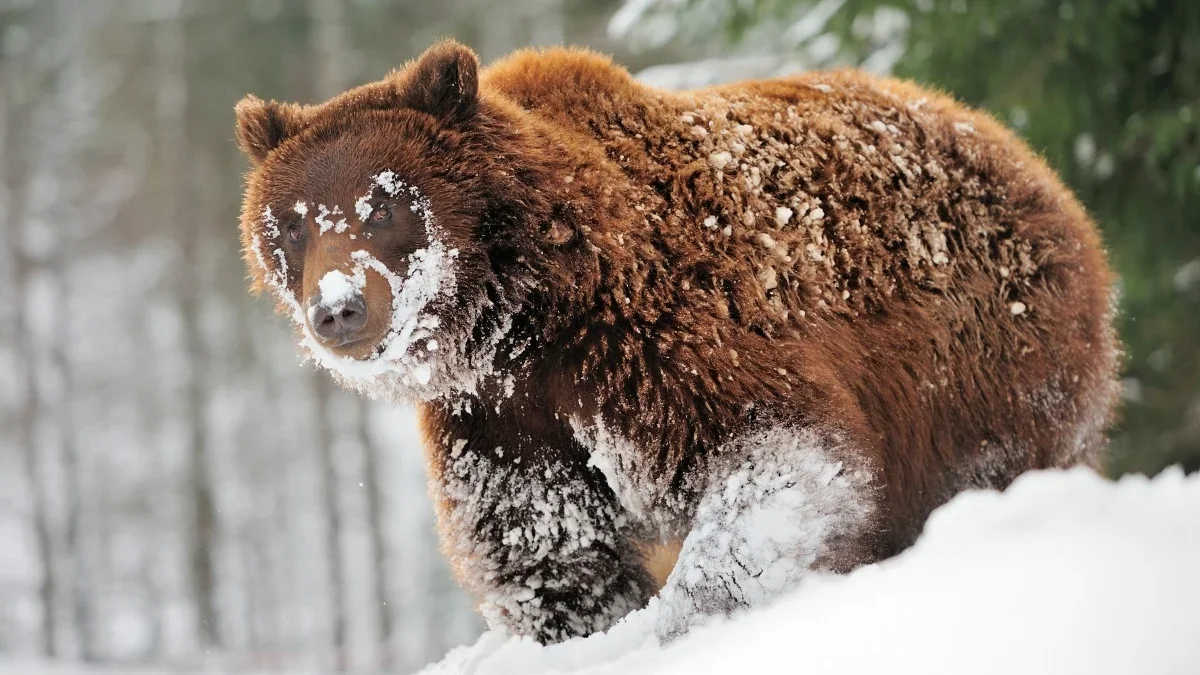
(359,349)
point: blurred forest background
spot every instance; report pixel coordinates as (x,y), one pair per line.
(176,488)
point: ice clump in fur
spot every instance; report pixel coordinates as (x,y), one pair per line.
(763,526)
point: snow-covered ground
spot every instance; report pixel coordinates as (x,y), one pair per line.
(1064,573)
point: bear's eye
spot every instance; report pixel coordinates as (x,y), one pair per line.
(381,214)
(295,232)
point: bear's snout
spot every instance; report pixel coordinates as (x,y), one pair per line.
(346,299)
(339,323)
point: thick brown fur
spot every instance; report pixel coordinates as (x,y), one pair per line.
(841,252)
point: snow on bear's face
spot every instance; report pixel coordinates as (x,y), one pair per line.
(359,216)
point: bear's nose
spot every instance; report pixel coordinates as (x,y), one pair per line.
(340,322)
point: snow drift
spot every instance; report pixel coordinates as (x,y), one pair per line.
(1063,573)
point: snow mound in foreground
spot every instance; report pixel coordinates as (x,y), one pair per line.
(1063,573)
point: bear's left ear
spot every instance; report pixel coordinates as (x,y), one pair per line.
(263,125)
(443,82)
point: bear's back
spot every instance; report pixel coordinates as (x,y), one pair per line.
(854,218)
(566,85)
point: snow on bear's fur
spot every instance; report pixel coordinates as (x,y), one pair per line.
(766,327)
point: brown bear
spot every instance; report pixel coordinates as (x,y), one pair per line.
(779,321)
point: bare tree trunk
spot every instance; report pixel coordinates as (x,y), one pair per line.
(253,640)
(23,418)
(170,45)
(203,540)
(28,415)
(44,246)
(73,71)
(329,46)
(375,526)
(333,513)
(78,560)
(48,588)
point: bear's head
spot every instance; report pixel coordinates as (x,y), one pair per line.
(367,217)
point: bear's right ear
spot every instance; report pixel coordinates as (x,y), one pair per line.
(263,125)
(443,82)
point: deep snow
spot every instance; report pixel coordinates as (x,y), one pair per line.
(1063,573)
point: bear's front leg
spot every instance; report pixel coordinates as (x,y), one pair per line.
(785,502)
(529,528)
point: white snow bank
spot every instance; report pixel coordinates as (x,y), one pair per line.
(1063,573)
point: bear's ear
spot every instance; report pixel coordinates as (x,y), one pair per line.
(263,125)
(444,82)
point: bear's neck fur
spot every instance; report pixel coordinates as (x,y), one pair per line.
(551,198)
